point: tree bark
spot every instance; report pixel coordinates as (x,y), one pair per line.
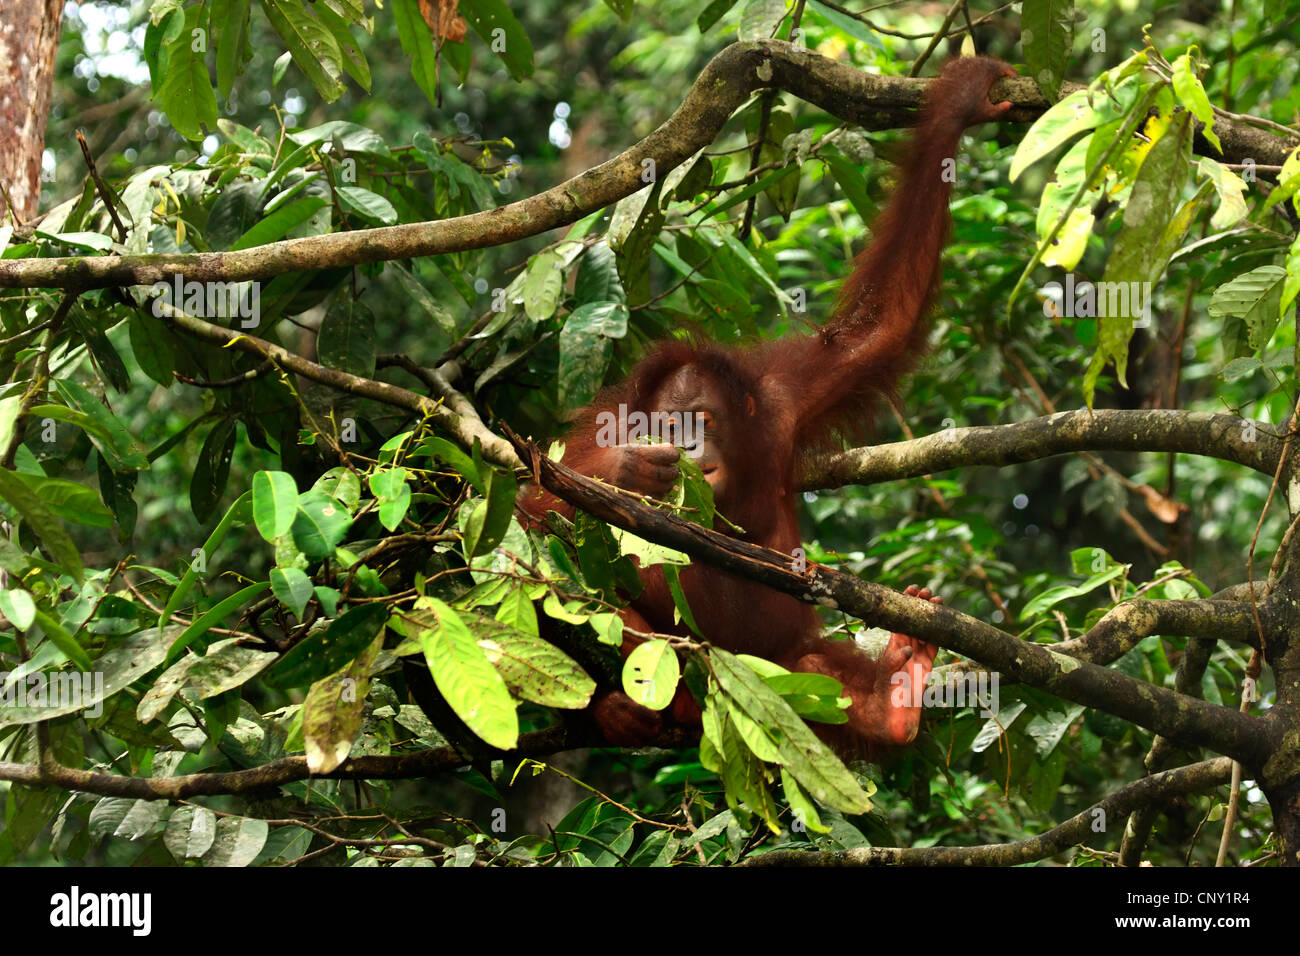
(29,39)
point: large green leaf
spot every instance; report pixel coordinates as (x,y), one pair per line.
(42,522)
(320,525)
(212,469)
(181,85)
(493,21)
(418,45)
(275,503)
(325,651)
(119,667)
(472,687)
(313,47)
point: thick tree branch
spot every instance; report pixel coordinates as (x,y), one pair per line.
(729,79)
(1149,791)
(1185,720)
(460,420)
(410,766)
(1191,671)
(1239,440)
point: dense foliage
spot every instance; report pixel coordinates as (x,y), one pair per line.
(259,565)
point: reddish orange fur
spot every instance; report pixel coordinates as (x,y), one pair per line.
(784,399)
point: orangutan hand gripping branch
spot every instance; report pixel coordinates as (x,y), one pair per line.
(762,410)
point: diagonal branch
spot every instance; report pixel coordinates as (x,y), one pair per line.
(1149,791)
(461,420)
(725,83)
(1183,719)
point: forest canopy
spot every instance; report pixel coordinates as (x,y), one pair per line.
(298,300)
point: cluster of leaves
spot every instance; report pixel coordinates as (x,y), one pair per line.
(1147,175)
(318,38)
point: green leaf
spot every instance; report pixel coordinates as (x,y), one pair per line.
(467,680)
(238,842)
(47,528)
(854,28)
(369,205)
(418,45)
(275,502)
(69,501)
(806,757)
(314,49)
(353,137)
(585,348)
(1288,180)
(1054,596)
(320,526)
(489,518)
(608,627)
(604,569)
(1189,89)
(1152,225)
(323,652)
(292,587)
(354,60)
(214,616)
(516,610)
(227,665)
(1291,287)
(212,469)
(342,485)
(713,13)
(1252,297)
(107,362)
(456,175)
(650,674)
(743,775)
(1064,121)
(101,426)
(497,26)
(190,832)
(239,512)
(851,182)
(804,810)
(460,462)
(236,210)
(1229,187)
(62,638)
(759,19)
(1047,32)
(121,666)
(346,340)
(414,289)
(672,574)
(756,738)
(333,710)
(20,610)
(535,670)
(543,283)
(393,493)
(230,40)
(762,184)
(152,344)
(278,224)
(184,89)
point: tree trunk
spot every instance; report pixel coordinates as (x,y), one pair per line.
(29,39)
